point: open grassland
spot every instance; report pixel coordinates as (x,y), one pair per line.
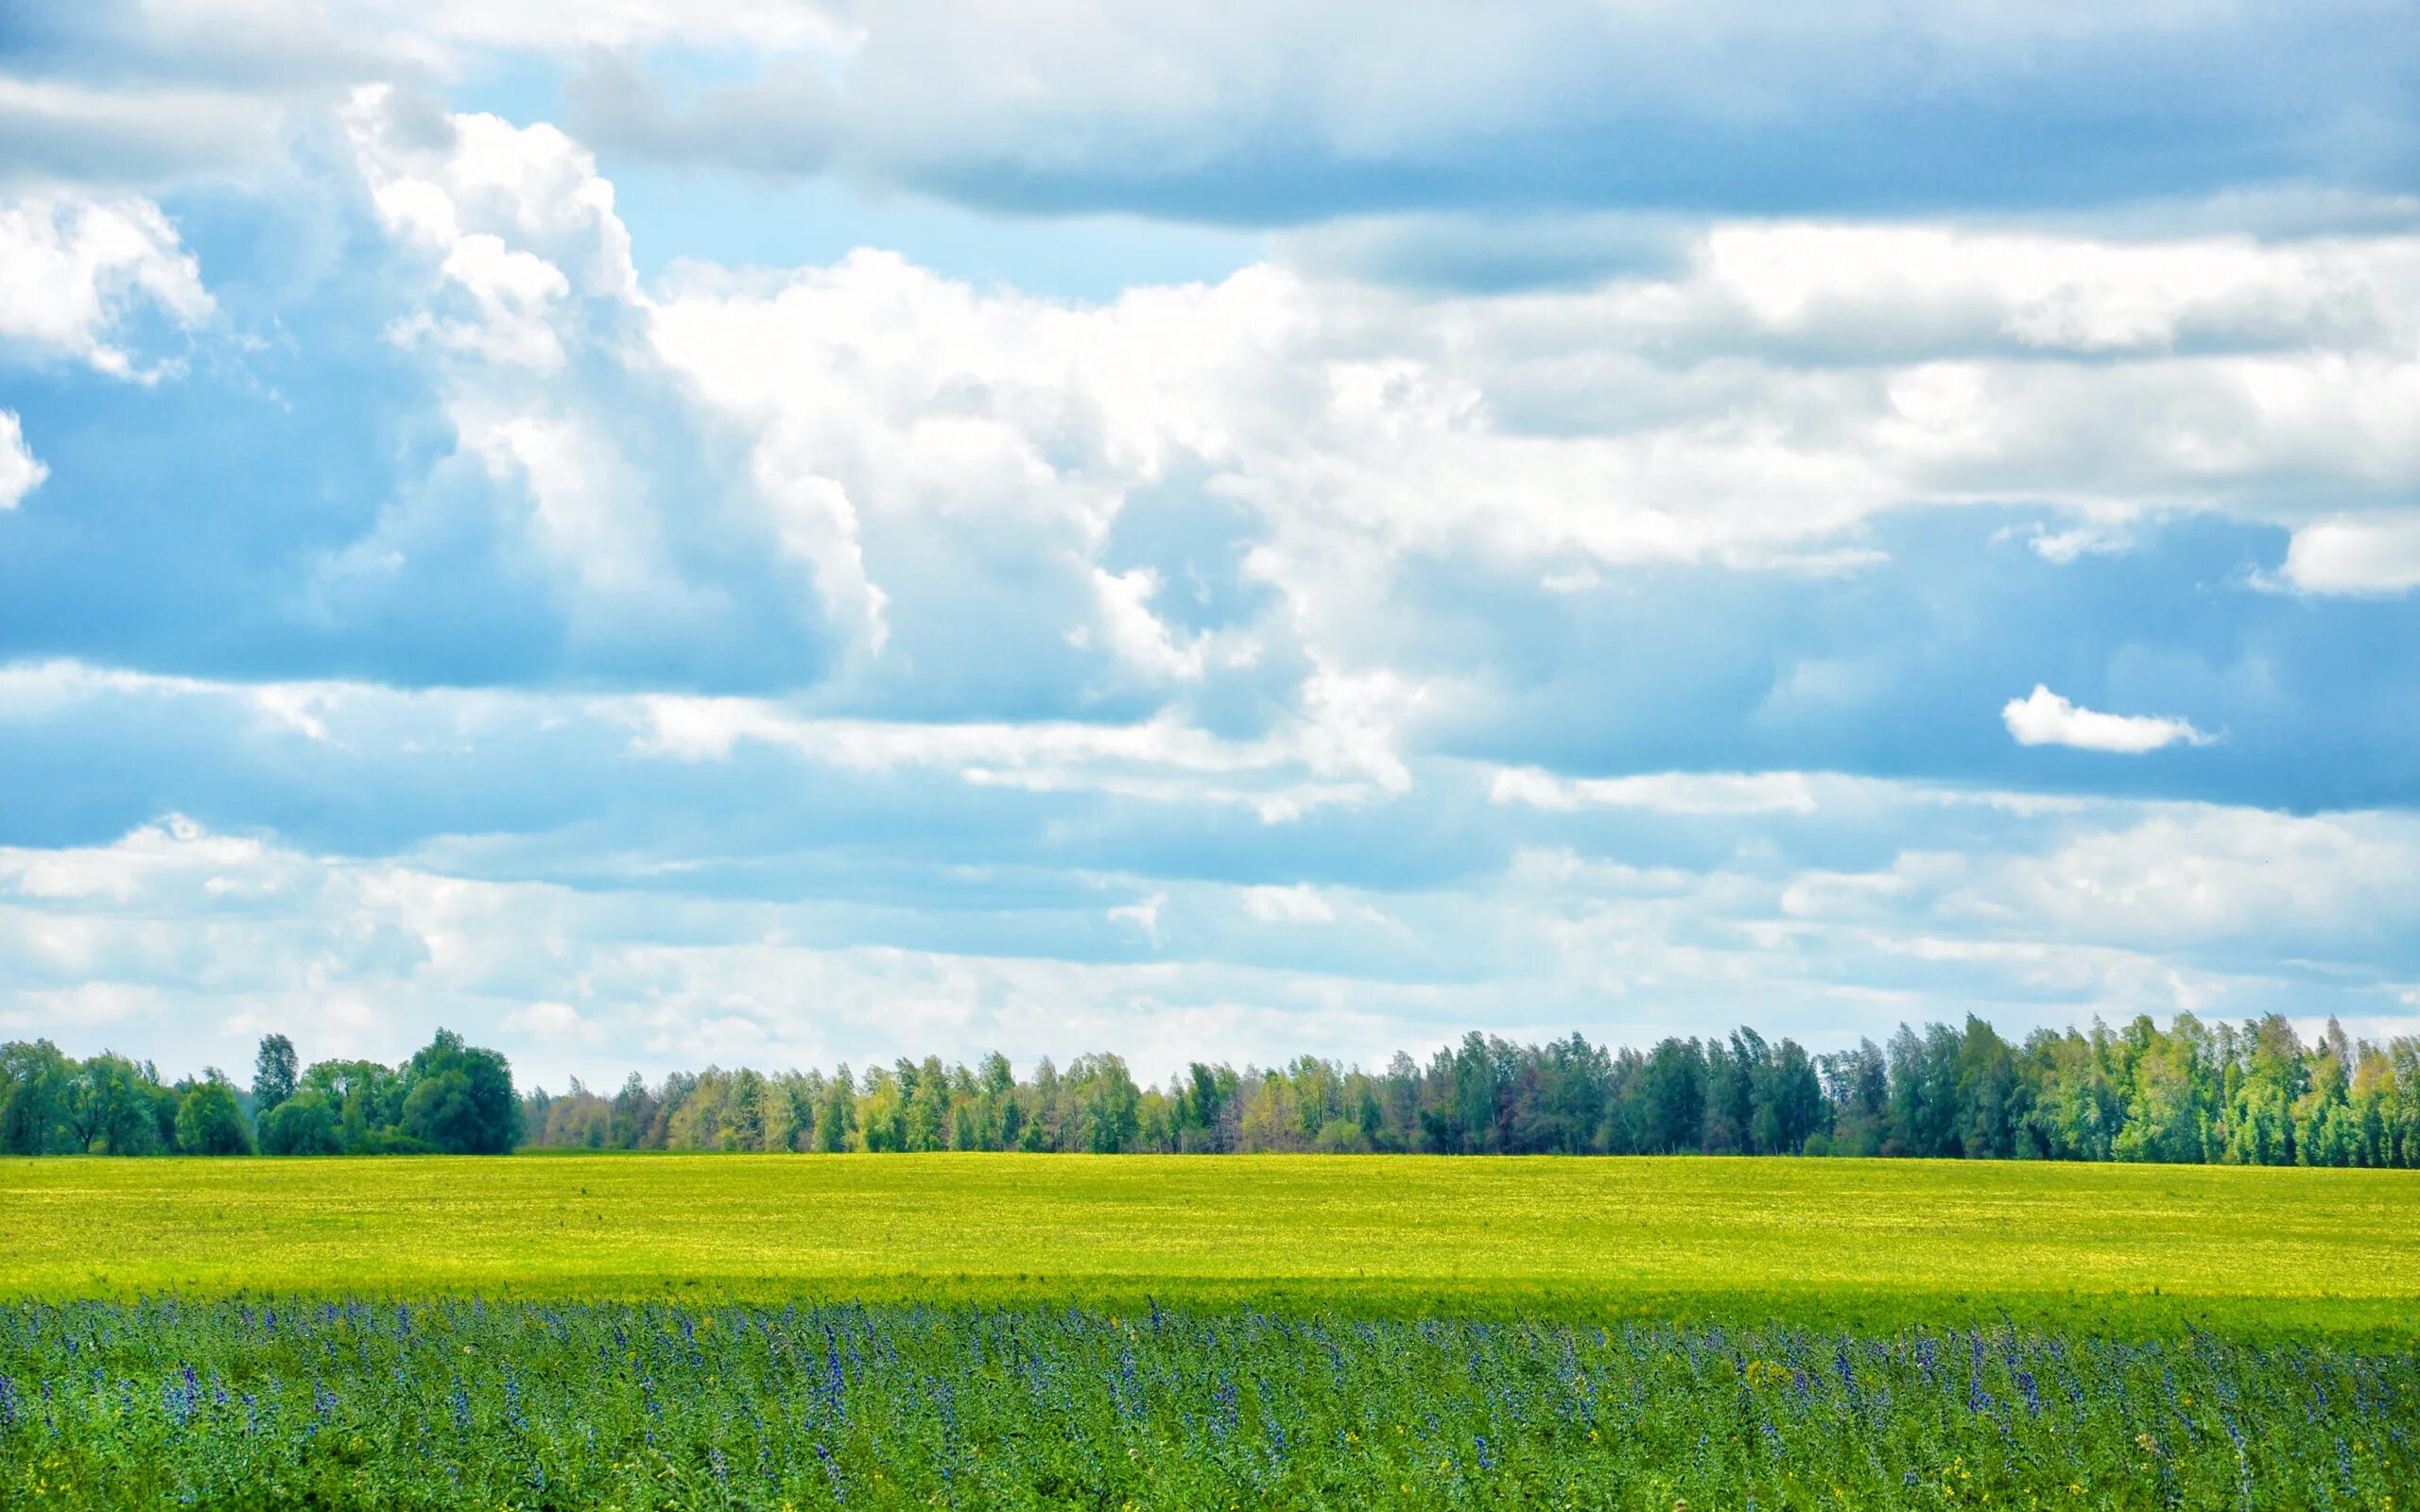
(1131,1332)
(1869,1243)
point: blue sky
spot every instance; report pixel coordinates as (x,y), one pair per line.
(757,531)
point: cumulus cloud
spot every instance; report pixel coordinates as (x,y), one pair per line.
(1527,596)
(836,472)
(2044,718)
(2362,554)
(75,274)
(21,472)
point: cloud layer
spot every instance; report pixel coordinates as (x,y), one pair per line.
(1574,573)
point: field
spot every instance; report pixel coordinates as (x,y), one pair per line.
(744,1331)
(1801,1240)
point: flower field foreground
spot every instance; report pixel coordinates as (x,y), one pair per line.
(476,1403)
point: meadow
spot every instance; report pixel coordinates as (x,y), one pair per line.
(1128,1331)
(1814,1242)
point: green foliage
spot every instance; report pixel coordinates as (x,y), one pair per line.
(2248,1095)
(483,1403)
(36,1088)
(451,1097)
(111,1106)
(458,1100)
(273,1076)
(369,1099)
(209,1121)
(301,1125)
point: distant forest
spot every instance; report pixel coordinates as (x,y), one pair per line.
(2249,1095)
(448,1099)
(2253,1094)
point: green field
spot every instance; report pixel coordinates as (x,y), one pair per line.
(788,1332)
(1868,1243)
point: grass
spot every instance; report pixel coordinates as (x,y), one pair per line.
(1860,1244)
(789,1332)
(531,1406)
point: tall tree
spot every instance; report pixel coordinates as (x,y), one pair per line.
(272,1074)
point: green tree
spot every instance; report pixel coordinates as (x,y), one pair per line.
(36,1086)
(836,1114)
(458,1098)
(109,1106)
(272,1074)
(2163,1115)
(368,1097)
(303,1124)
(209,1121)
(1674,1098)
(926,1100)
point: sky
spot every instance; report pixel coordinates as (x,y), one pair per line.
(775,532)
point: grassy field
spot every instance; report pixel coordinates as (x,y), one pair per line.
(479,1405)
(1859,1243)
(893,1331)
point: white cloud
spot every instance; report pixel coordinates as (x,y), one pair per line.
(906,456)
(1301,903)
(1143,913)
(33,691)
(1281,777)
(101,1009)
(2214,876)
(1135,634)
(2359,553)
(2044,718)
(1757,407)
(2130,908)
(1084,583)
(549,1021)
(21,472)
(1701,793)
(2088,539)
(75,272)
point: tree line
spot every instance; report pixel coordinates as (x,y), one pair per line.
(449,1098)
(2250,1095)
